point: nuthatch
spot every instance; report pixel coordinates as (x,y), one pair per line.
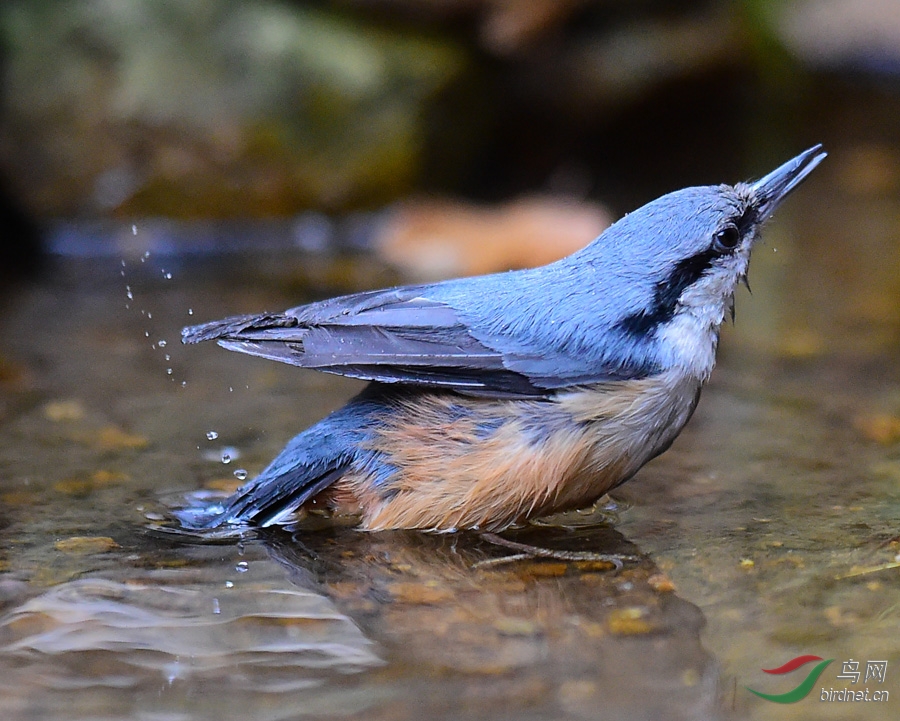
(499,398)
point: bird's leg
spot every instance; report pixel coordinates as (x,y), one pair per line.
(526,551)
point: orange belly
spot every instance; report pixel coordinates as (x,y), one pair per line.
(471,463)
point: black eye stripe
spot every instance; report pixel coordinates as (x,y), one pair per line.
(667,293)
(684,274)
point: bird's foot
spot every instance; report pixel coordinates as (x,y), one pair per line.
(527,551)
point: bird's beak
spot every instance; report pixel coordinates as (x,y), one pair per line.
(776,186)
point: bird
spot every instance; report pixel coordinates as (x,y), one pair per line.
(501,398)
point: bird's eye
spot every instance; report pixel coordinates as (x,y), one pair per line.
(727,239)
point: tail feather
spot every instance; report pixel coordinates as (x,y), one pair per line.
(310,463)
(235,325)
(267,502)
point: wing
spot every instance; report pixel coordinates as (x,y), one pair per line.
(443,335)
(391,336)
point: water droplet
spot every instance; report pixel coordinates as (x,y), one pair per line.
(168,371)
(216,608)
(168,357)
(146,254)
(172,671)
(161,343)
(146,334)
(229,584)
(128,293)
(241,474)
(211,435)
(167,275)
(184,385)
(223,454)
(149,315)
(190,311)
(242,567)
(230,389)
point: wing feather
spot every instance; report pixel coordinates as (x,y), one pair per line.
(418,335)
(394,336)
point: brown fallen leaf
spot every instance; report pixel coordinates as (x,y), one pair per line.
(433,239)
(85,545)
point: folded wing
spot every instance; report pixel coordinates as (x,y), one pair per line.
(411,335)
(394,336)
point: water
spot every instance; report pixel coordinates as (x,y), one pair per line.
(768,531)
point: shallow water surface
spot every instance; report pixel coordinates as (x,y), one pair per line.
(767,532)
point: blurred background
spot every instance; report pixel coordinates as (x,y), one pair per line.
(477,123)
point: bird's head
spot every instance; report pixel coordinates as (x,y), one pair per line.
(673,264)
